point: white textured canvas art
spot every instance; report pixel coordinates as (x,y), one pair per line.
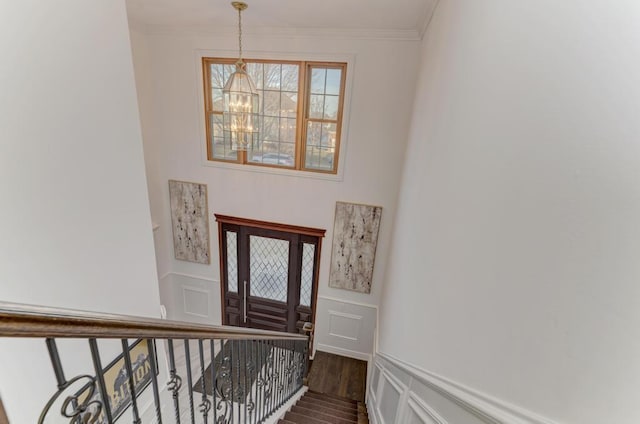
(189,219)
(355,236)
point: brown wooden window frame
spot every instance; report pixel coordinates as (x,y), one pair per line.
(303,119)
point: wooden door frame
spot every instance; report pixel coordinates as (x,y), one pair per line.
(265,225)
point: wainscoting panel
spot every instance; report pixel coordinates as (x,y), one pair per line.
(391,392)
(401,393)
(191,298)
(196,302)
(345,328)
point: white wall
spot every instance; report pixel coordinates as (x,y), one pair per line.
(75,228)
(514,265)
(383,76)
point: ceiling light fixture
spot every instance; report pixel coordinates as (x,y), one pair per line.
(240,117)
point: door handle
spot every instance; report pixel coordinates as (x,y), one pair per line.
(245,301)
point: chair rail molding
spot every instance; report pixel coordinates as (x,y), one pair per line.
(415,380)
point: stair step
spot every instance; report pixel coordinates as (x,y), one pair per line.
(304,419)
(329,404)
(321,406)
(362,408)
(338,414)
(363,416)
(332,398)
(323,416)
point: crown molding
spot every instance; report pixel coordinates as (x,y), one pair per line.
(279,32)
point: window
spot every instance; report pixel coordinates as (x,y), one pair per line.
(301,107)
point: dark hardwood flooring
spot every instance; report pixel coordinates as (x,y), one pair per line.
(338,375)
(3,415)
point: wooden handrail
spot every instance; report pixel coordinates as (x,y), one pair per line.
(17,320)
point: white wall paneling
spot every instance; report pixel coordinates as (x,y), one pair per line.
(191,298)
(196,301)
(345,328)
(402,393)
(392,391)
(418,412)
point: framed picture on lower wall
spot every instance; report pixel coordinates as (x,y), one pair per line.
(117,383)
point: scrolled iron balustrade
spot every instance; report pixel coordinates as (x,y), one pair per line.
(244,378)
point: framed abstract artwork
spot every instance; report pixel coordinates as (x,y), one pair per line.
(355,237)
(189,221)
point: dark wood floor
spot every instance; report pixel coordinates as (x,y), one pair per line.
(338,375)
(3,415)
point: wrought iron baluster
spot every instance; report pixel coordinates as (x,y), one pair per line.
(214,382)
(285,370)
(273,377)
(205,406)
(56,363)
(231,369)
(154,379)
(132,388)
(72,407)
(97,366)
(283,395)
(276,358)
(267,378)
(254,380)
(280,373)
(289,369)
(301,361)
(305,352)
(296,361)
(259,385)
(244,380)
(236,343)
(289,363)
(175,382)
(263,380)
(189,379)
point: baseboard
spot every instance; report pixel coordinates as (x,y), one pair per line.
(486,408)
(344,352)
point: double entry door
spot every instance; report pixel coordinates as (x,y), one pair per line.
(269,273)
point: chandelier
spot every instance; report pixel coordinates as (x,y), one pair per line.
(241,106)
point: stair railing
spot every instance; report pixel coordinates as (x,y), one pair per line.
(220,374)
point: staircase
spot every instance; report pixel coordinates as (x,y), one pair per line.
(321,408)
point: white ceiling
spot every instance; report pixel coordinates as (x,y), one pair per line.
(375,15)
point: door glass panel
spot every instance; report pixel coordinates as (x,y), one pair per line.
(269,267)
(306,283)
(232,261)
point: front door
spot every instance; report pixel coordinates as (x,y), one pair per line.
(269,273)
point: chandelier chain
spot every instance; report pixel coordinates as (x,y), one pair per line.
(240,32)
